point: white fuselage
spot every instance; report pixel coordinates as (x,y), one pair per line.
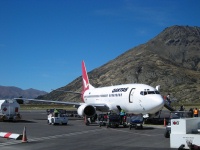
(133,98)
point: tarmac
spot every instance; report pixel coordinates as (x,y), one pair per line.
(76,135)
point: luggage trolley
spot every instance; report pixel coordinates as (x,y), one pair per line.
(113,120)
(102,119)
(135,121)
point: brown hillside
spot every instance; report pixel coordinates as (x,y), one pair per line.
(9,92)
(171,60)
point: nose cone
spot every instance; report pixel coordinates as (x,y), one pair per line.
(157,104)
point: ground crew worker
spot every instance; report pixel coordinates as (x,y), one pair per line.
(55,113)
(105,117)
(122,114)
(196,112)
(169,99)
(181,108)
(191,112)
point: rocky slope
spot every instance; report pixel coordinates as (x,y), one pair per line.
(171,59)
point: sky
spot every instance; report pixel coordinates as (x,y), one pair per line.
(43,42)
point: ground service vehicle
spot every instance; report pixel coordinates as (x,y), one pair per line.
(9,110)
(175,115)
(91,120)
(57,116)
(135,121)
(102,119)
(113,120)
(185,133)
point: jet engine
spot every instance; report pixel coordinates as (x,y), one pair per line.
(86,110)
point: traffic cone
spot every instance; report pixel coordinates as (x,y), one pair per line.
(164,122)
(24,137)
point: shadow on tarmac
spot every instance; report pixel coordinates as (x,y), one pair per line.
(20,121)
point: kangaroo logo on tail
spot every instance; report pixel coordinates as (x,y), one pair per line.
(86,84)
(85,80)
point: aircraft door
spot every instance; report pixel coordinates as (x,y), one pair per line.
(131,95)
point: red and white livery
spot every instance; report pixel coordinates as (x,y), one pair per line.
(132,98)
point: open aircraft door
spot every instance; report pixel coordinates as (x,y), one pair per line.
(131,95)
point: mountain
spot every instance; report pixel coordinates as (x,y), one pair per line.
(171,59)
(9,92)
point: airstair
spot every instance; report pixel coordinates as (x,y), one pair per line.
(169,107)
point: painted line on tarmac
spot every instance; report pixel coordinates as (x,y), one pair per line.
(50,137)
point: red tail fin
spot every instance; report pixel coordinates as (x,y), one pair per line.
(85,79)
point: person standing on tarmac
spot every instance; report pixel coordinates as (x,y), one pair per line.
(191,112)
(122,114)
(168,99)
(181,108)
(196,112)
(55,113)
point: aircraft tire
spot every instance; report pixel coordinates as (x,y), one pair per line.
(87,123)
(48,122)
(52,121)
(167,134)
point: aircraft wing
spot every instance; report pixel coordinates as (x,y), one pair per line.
(99,107)
(49,101)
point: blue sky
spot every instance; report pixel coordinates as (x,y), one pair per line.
(42,42)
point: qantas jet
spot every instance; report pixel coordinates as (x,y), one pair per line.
(132,98)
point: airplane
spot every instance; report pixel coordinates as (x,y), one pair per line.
(132,98)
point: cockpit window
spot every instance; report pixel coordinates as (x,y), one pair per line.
(157,92)
(151,92)
(148,92)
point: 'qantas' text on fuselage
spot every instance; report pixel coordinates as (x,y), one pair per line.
(120,90)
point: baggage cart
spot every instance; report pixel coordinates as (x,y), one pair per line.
(102,119)
(113,120)
(135,121)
